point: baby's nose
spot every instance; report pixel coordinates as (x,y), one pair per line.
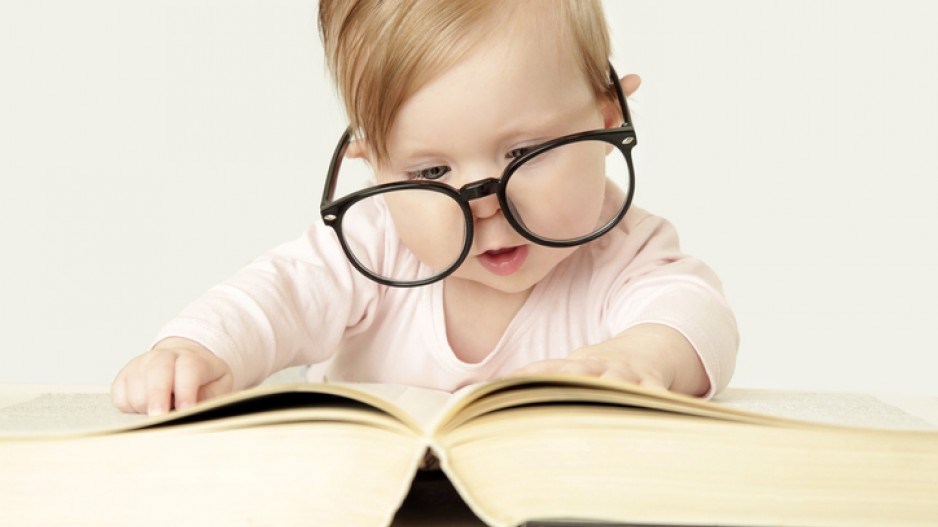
(482,195)
(484,207)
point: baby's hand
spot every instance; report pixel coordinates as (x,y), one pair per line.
(632,366)
(176,369)
(650,355)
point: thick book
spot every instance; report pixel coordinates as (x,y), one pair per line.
(538,450)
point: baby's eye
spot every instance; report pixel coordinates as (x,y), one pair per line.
(515,153)
(430,173)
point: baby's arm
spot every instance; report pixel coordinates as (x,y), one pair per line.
(668,322)
(287,308)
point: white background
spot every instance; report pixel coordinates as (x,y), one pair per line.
(150,149)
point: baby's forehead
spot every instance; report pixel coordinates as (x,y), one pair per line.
(396,57)
(481,106)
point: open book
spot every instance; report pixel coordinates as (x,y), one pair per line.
(537,450)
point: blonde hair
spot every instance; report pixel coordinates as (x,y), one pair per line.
(380,52)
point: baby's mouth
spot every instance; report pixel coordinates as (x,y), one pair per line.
(505,261)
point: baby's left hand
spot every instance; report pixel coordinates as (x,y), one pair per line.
(650,355)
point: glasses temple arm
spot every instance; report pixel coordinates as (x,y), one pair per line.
(620,95)
(328,191)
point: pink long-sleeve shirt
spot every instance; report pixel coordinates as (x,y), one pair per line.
(303,303)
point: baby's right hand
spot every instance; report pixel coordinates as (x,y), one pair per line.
(176,369)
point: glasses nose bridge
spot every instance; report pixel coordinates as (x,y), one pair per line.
(479,189)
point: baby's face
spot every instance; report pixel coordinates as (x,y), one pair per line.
(467,125)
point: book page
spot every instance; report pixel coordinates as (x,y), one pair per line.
(50,409)
(586,461)
(76,410)
(423,405)
(845,409)
(766,406)
(294,473)
(484,398)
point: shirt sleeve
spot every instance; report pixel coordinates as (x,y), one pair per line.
(288,307)
(662,285)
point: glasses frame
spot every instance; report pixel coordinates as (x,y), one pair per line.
(333,211)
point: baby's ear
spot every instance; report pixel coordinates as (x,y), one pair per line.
(630,84)
(358,149)
(612,115)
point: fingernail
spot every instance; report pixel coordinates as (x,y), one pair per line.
(156,409)
(183,405)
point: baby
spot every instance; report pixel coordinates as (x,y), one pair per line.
(497,237)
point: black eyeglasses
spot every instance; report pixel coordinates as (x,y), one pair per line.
(561,193)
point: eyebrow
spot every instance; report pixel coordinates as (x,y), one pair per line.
(542,127)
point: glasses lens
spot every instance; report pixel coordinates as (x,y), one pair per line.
(571,191)
(406,235)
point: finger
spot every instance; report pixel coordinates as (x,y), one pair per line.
(580,367)
(653,383)
(160,375)
(119,393)
(542,366)
(135,387)
(621,375)
(191,374)
(630,83)
(215,388)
